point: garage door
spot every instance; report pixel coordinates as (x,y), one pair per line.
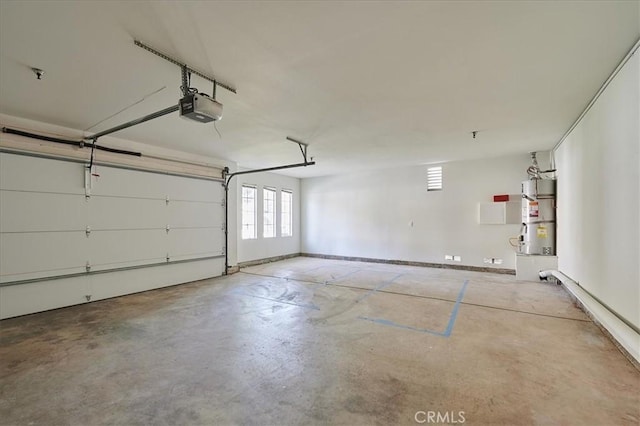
(67,237)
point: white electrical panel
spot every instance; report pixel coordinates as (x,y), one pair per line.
(499,213)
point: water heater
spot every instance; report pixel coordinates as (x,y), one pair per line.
(538,234)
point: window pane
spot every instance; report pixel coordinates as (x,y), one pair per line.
(286,213)
(269,210)
(248,212)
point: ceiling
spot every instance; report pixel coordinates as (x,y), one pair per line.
(366,84)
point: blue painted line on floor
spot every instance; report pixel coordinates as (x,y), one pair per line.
(454,313)
(382,285)
(445,333)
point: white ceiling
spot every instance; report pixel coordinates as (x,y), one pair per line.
(366,84)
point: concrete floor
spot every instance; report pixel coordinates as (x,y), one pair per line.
(313,341)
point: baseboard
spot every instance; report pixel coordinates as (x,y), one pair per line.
(266,260)
(625,338)
(412,263)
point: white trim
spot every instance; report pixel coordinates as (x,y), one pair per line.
(628,338)
(274,213)
(255,211)
(596,96)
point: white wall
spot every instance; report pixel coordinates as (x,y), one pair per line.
(598,193)
(388,214)
(263,248)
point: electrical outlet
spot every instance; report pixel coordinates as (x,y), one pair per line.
(448,257)
(487,260)
(457,259)
(497,261)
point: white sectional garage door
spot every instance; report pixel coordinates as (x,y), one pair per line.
(60,232)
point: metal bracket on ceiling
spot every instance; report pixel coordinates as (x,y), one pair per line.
(186,67)
(185,80)
(303,147)
(186,72)
(227,179)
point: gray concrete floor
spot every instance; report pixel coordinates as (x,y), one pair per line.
(313,341)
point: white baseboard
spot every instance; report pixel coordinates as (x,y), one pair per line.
(625,337)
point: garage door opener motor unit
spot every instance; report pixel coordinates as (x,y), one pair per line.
(200,107)
(194,105)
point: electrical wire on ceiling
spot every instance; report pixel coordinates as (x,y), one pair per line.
(126,108)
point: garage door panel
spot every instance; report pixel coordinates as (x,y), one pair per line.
(195,242)
(111,213)
(41,296)
(129,183)
(41,254)
(27,173)
(39,211)
(185,214)
(182,188)
(134,280)
(115,249)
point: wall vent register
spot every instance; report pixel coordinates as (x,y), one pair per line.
(434,178)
